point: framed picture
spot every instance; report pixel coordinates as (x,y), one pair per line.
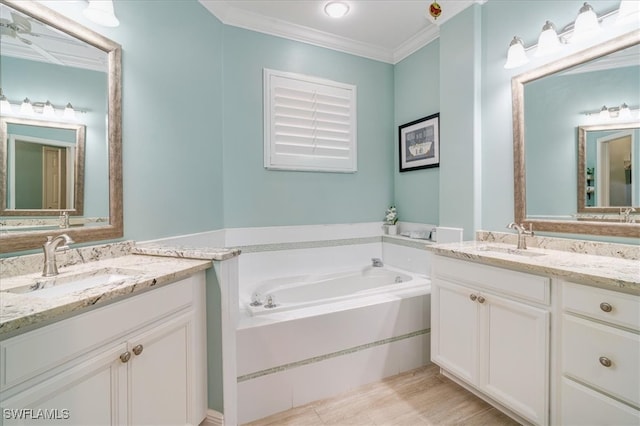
(419,143)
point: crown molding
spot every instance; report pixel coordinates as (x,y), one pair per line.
(415,43)
(255,22)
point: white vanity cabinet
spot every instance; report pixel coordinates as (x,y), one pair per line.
(600,363)
(134,362)
(490,328)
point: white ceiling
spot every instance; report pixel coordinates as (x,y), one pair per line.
(384,30)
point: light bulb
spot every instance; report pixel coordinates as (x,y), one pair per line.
(604,113)
(48,110)
(625,112)
(101,12)
(26,108)
(586,24)
(69,112)
(548,42)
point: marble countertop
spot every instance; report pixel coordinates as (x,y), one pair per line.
(21,312)
(613,273)
(206,253)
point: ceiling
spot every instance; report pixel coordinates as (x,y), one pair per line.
(384,30)
(27,38)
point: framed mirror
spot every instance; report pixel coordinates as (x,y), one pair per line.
(608,170)
(85,151)
(42,168)
(551,104)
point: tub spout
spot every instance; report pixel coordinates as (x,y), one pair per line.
(376,262)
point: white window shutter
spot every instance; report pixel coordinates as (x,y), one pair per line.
(309,123)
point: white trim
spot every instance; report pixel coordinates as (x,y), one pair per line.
(214,418)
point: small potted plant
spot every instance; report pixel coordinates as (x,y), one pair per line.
(390,220)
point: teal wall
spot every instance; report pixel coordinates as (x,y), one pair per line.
(416,95)
(254,196)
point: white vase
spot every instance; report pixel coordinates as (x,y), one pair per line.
(392,229)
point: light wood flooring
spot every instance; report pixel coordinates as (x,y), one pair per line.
(415,398)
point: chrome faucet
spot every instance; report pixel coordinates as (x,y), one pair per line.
(625,215)
(50,247)
(522,233)
(376,262)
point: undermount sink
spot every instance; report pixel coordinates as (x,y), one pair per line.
(62,285)
(508,250)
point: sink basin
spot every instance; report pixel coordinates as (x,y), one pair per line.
(508,250)
(62,285)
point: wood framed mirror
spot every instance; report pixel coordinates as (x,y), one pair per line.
(535,205)
(17,238)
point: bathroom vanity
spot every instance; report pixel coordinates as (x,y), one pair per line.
(129,350)
(548,336)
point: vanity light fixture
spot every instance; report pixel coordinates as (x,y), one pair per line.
(44,110)
(69,113)
(101,12)
(516,55)
(26,108)
(548,42)
(336,9)
(628,12)
(620,113)
(586,24)
(5,106)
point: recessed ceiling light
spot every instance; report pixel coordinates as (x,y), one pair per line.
(336,9)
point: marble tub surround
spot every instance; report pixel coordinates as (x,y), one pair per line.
(187,252)
(623,251)
(23,311)
(27,264)
(614,273)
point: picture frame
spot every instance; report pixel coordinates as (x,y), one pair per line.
(419,143)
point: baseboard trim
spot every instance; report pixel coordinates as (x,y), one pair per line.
(214,418)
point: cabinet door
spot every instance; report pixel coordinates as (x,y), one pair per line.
(161,374)
(90,393)
(454,329)
(515,351)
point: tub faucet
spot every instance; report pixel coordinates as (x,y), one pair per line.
(522,233)
(52,245)
(376,262)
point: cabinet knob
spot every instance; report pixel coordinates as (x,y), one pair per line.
(481,299)
(137,349)
(125,357)
(606,307)
(473,297)
(606,362)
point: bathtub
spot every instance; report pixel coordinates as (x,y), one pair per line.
(296,292)
(327,333)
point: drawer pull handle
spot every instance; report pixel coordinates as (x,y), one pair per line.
(606,307)
(138,349)
(125,357)
(606,362)
(473,297)
(481,299)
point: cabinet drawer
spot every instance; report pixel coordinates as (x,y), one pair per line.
(25,356)
(503,281)
(583,406)
(606,305)
(584,342)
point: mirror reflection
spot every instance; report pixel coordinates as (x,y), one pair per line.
(608,160)
(558,104)
(51,159)
(44,166)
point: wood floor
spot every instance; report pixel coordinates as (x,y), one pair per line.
(415,398)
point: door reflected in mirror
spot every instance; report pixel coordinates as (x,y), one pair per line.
(44,166)
(608,166)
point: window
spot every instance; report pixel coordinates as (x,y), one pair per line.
(310,123)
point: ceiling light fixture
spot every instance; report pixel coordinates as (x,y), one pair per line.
(101,12)
(336,9)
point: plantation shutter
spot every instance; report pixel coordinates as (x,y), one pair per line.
(310,123)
